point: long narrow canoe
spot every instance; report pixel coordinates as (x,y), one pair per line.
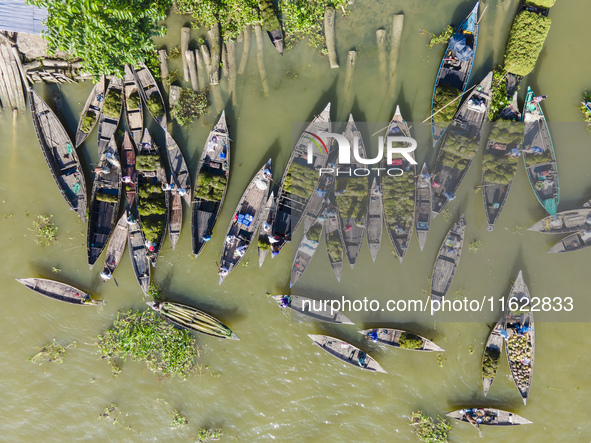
(447,260)
(134,112)
(400,339)
(564,222)
(460,144)
(489,416)
(138,251)
(194,319)
(454,70)
(539,156)
(264,245)
(175,216)
(314,310)
(151,94)
(59,154)
(325,187)
(306,250)
(111,115)
(574,242)
(399,191)
(115,249)
(423,206)
(59,291)
(346,352)
(520,346)
(91,112)
(245,221)
(128,169)
(492,356)
(104,203)
(334,240)
(178,167)
(352,199)
(375,218)
(211,184)
(300,180)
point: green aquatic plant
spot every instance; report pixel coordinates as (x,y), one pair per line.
(107,197)
(334,247)
(475,246)
(133,101)
(112,105)
(427,430)
(190,106)
(499,169)
(410,341)
(210,187)
(206,434)
(154,292)
(269,15)
(52,352)
(499,99)
(173,76)
(507,132)
(178,420)
(148,162)
(174,53)
(443,108)
(152,209)
(46,231)
(441,38)
(56,270)
(300,180)
(585,110)
(156,106)
(314,232)
(88,121)
(546,4)
(352,197)
(399,201)
(490,362)
(538,159)
(526,39)
(263,244)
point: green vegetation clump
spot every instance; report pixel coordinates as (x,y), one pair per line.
(499,99)
(152,209)
(154,292)
(174,53)
(334,247)
(88,121)
(52,352)
(133,101)
(314,232)
(427,430)
(490,363)
(264,244)
(538,159)
(269,14)
(142,336)
(399,201)
(209,434)
(458,151)
(585,111)
(410,341)
(107,197)
(499,169)
(444,94)
(300,180)
(352,203)
(190,106)
(178,420)
(210,187)
(148,162)
(152,229)
(507,132)
(156,106)
(45,229)
(441,38)
(546,4)
(112,105)
(526,39)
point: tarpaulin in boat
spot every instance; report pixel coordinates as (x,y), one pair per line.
(462,52)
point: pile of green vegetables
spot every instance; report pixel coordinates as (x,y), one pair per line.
(314,232)
(152,210)
(490,363)
(112,105)
(499,169)
(458,151)
(399,200)
(538,159)
(133,101)
(301,180)
(88,121)
(444,95)
(107,197)
(148,163)
(410,341)
(190,106)
(210,187)
(334,247)
(352,203)
(156,106)
(526,39)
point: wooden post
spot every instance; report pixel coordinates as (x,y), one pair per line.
(163,56)
(381,38)
(216,54)
(175,93)
(206,60)
(225,72)
(185,39)
(190,59)
(260,58)
(329,17)
(245,51)
(201,70)
(231,50)
(351,57)
(397,26)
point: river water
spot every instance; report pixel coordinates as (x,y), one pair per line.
(274,384)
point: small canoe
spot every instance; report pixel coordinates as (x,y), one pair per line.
(375,218)
(460,144)
(325,188)
(399,191)
(423,206)
(400,339)
(492,356)
(264,245)
(276,36)
(138,251)
(245,221)
(111,115)
(574,242)
(59,154)
(520,346)
(306,250)
(59,291)
(193,319)
(488,416)
(564,222)
(91,112)
(454,71)
(151,94)
(539,156)
(115,249)
(346,352)
(314,310)
(178,167)
(334,241)
(175,216)
(134,112)
(211,184)
(128,170)
(104,202)
(448,260)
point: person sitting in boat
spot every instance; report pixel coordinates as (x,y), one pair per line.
(274,251)
(106,275)
(285,301)
(373,335)
(514,153)
(174,188)
(206,237)
(449,195)
(101,170)
(273,240)
(362,360)
(474,416)
(240,251)
(347,227)
(223,271)
(127,180)
(266,227)
(522,330)
(536,100)
(377,191)
(230,238)
(535,150)
(212,143)
(267,173)
(435,183)
(130,219)
(151,246)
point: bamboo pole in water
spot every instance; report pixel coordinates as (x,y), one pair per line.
(260,57)
(245,51)
(329,18)
(185,38)
(163,56)
(351,58)
(231,49)
(397,25)
(201,70)
(206,60)
(216,54)
(381,38)
(190,59)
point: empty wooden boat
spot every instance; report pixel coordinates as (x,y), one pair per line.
(492,356)
(447,260)
(564,222)
(128,170)
(375,218)
(211,184)
(423,206)
(91,112)
(178,168)
(58,291)
(111,115)
(59,154)
(334,240)
(175,216)
(264,243)
(151,94)
(134,112)
(488,416)
(138,251)
(574,242)
(346,352)
(312,309)
(306,250)
(325,188)
(400,339)
(115,248)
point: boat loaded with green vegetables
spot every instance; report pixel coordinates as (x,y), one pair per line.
(492,356)
(91,112)
(151,94)
(400,339)
(111,115)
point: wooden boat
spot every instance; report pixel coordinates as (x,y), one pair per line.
(423,206)
(194,319)
(128,169)
(306,250)
(498,158)
(175,216)
(276,36)
(306,307)
(574,242)
(104,203)
(92,109)
(400,339)
(115,248)
(178,167)
(399,191)
(541,167)
(138,251)
(264,245)
(299,179)
(153,201)
(492,356)
(375,218)
(59,291)
(460,144)
(214,166)
(334,240)
(346,352)
(564,222)
(520,346)
(134,112)
(447,260)
(455,68)
(151,94)
(352,198)
(489,416)
(245,221)
(107,125)
(59,154)
(325,187)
